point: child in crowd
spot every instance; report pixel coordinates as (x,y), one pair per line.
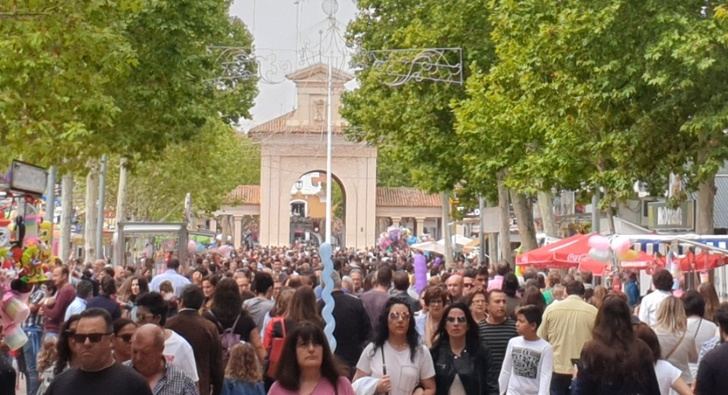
(243,373)
(528,361)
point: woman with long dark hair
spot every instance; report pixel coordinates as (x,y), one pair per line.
(668,376)
(461,363)
(307,365)
(396,358)
(615,361)
(227,312)
(65,354)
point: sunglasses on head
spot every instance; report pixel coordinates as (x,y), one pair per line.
(396,315)
(460,320)
(92,337)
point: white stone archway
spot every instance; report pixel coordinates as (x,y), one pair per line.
(295,144)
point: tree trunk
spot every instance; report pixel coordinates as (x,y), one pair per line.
(64,246)
(524,215)
(120,210)
(546,208)
(446,234)
(706,202)
(92,191)
(504,239)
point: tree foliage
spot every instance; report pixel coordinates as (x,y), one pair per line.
(598,93)
(58,59)
(414,123)
(208,166)
(82,78)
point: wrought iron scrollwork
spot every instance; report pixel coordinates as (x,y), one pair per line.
(425,64)
(238,64)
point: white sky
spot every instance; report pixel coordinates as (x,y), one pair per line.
(274,28)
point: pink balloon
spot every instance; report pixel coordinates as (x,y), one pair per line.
(599,255)
(621,244)
(599,242)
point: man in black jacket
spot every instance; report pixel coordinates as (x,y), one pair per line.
(203,337)
(352,325)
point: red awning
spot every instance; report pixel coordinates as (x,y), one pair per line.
(701,262)
(563,254)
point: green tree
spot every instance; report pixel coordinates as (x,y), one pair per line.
(57,62)
(208,166)
(598,93)
(414,122)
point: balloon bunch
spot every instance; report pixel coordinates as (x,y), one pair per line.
(599,250)
(420,263)
(622,247)
(602,249)
(28,253)
(395,239)
(13,310)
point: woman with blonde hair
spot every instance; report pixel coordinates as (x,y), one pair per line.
(677,345)
(243,373)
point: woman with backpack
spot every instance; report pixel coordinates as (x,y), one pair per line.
(233,322)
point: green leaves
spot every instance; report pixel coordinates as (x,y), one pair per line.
(84,78)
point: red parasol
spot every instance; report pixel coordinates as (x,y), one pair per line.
(563,254)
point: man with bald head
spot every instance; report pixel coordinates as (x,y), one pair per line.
(454,287)
(147,347)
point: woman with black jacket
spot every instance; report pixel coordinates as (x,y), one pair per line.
(460,360)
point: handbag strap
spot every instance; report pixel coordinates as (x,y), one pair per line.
(698,328)
(676,345)
(283,327)
(235,324)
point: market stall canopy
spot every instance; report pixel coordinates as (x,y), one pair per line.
(642,261)
(563,254)
(438,247)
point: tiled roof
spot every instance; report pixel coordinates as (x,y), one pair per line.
(244,194)
(406,197)
(386,197)
(280,125)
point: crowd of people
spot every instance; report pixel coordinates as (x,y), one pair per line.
(251,323)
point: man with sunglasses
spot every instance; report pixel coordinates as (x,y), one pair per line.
(97,372)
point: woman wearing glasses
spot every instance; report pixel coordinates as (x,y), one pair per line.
(396,360)
(461,363)
(428,319)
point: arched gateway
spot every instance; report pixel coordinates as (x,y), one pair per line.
(289,201)
(294,144)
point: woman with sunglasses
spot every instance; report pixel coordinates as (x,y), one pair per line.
(396,358)
(307,365)
(123,331)
(461,363)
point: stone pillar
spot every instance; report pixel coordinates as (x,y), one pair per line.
(395,220)
(213,225)
(419,226)
(238,231)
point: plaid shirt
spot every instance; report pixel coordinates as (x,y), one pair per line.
(34,319)
(173,382)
